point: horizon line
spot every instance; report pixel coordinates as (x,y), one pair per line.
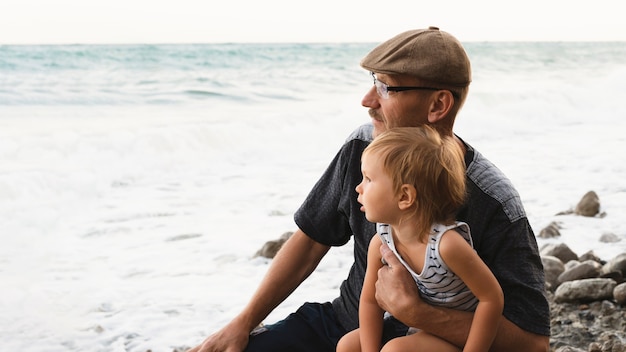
(70,43)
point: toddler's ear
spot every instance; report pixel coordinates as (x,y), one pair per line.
(407,196)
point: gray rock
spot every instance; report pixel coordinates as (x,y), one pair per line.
(611,342)
(619,294)
(552,268)
(551,231)
(616,264)
(572,263)
(585,270)
(589,205)
(270,248)
(559,250)
(585,290)
(609,237)
(591,256)
(569,349)
(615,275)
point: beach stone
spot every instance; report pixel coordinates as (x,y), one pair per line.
(551,231)
(571,264)
(179,349)
(595,347)
(559,250)
(569,349)
(611,342)
(593,263)
(552,268)
(566,212)
(614,275)
(606,307)
(270,248)
(585,290)
(589,205)
(616,264)
(619,294)
(609,237)
(585,270)
(591,256)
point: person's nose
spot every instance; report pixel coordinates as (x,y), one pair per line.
(370,100)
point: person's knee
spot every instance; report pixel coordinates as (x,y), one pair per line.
(419,342)
(392,345)
(349,342)
(343,346)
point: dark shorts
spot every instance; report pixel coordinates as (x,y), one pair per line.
(313,327)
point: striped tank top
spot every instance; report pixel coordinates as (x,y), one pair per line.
(437,284)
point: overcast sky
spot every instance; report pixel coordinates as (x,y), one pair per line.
(212,21)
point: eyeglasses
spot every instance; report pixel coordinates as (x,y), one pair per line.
(383,89)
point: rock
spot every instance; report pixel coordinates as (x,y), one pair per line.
(270,248)
(552,268)
(619,294)
(559,250)
(572,263)
(611,342)
(180,349)
(595,347)
(616,264)
(569,349)
(589,205)
(591,256)
(609,237)
(593,263)
(551,231)
(584,270)
(585,290)
(614,275)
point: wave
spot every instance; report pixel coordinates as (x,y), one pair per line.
(133,74)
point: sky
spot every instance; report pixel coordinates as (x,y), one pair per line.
(220,21)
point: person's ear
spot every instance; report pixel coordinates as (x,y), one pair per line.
(440,105)
(407,198)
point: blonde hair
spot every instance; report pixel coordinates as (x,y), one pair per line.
(433,164)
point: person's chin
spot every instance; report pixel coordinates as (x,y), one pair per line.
(370,219)
(379,127)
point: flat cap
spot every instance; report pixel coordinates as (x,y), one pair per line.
(429,54)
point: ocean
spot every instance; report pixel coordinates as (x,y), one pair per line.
(138,181)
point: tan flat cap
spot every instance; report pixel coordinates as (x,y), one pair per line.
(429,54)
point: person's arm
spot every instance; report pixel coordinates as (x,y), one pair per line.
(293,263)
(461,258)
(370,314)
(397,294)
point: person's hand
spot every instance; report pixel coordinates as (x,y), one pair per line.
(396,291)
(231,338)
